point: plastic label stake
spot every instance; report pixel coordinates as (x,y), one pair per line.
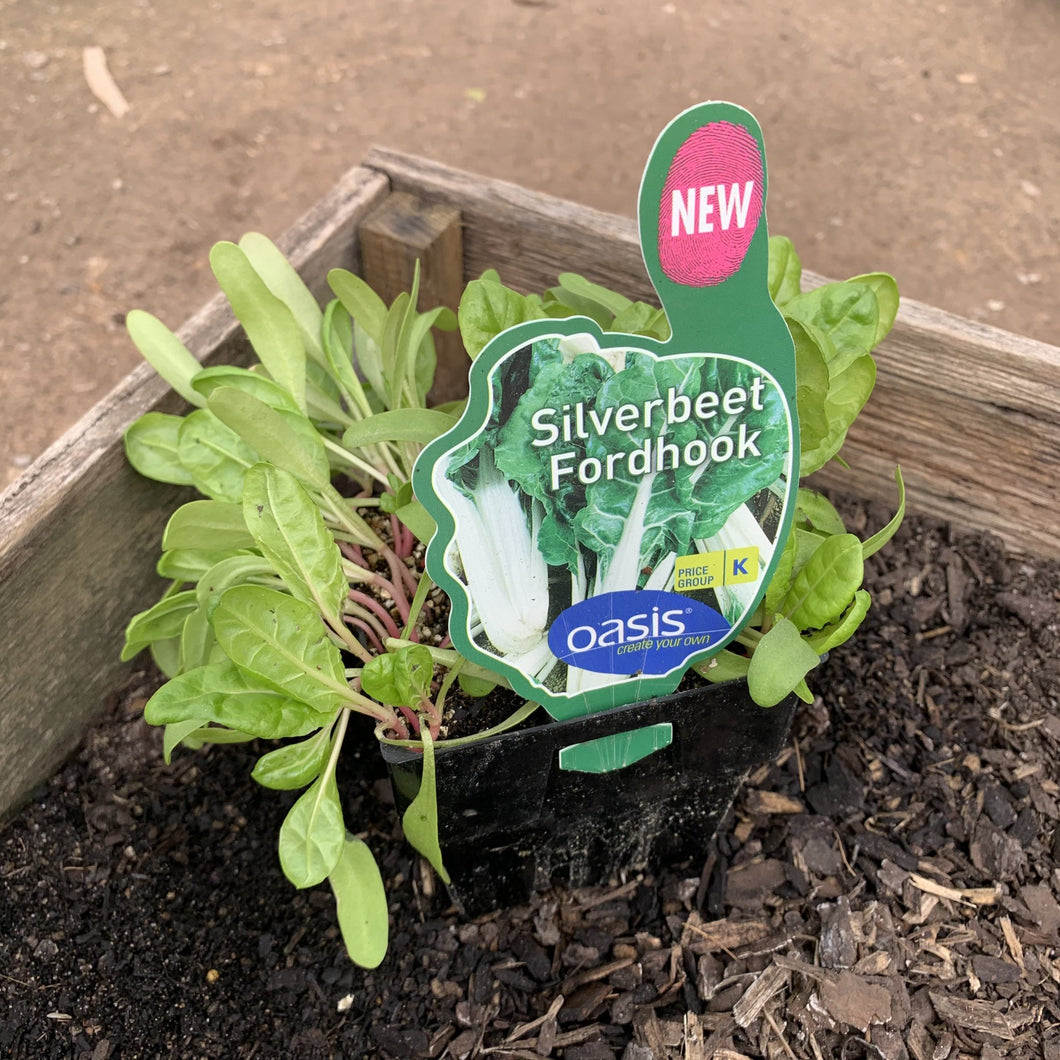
(610,506)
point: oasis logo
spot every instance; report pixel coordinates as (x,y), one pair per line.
(632,632)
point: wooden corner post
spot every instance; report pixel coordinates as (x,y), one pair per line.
(400,232)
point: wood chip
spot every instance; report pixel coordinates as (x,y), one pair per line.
(721,934)
(1015,947)
(767,802)
(850,1000)
(758,994)
(968,895)
(100,82)
(978,1016)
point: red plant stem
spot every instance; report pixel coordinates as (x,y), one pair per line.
(400,574)
(377,609)
(446,642)
(412,718)
(403,539)
(359,623)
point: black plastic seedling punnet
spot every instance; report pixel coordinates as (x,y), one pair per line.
(512,822)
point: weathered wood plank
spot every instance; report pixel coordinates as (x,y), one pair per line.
(79,531)
(402,231)
(970,412)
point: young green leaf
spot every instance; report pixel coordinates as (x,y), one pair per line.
(151,448)
(847,313)
(215,455)
(848,391)
(337,334)
(840,631)
(823,589)
(207,525)
(881,537)
(290,532)
(164,352)
(779,665)
(294,765)
(360,903)
(400,678)
(817,510)
(785,270)
(886,291)
(312,834)
(285,439)
(283,281)
(418,520)
(284,642)
(196,640)
(420,820)
(272,330)
(487,308)
(811,384)
(166,655)
(161,622)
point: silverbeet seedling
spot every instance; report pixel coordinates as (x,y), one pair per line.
(295,596)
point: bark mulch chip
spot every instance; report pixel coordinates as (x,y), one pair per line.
(887,889)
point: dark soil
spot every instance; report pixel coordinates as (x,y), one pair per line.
(886,889)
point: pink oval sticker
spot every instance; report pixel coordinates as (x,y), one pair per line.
(711,204)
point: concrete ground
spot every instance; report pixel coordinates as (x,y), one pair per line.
(919,138)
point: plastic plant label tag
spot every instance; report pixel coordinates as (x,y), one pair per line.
(610,506)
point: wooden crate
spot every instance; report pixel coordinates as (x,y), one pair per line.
(970,412)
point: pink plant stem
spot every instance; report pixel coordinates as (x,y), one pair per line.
(400,574)
(411,718)
(401,602)
(446,642)
(352,552)
(377,609)
(359,623)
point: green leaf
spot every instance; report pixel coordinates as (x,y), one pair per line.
(196,640)
(151,448)
(848,391)
(476,687)
(881,537)
(360,903)
(399,425)
(312,834)
(225,695)
(190,564)
(779,664)
(283,281)
(269,324)
(175,735)
(420,820)
(294,765)
(725,666)
(164,352)
(337,332)
(816,509)
(418,520)
(287,440)
(811,384)
(232,570)
(785,270)
(208,525)
(846,312)
(166,655)
(822,590)
(289,529)
(840,631)
(257,384)
(400,678)
(886,290)
(161,622)
(780,583)
(215,455)
(284,642)
(487,308)
(360,301)
(210,734)
(612,301)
